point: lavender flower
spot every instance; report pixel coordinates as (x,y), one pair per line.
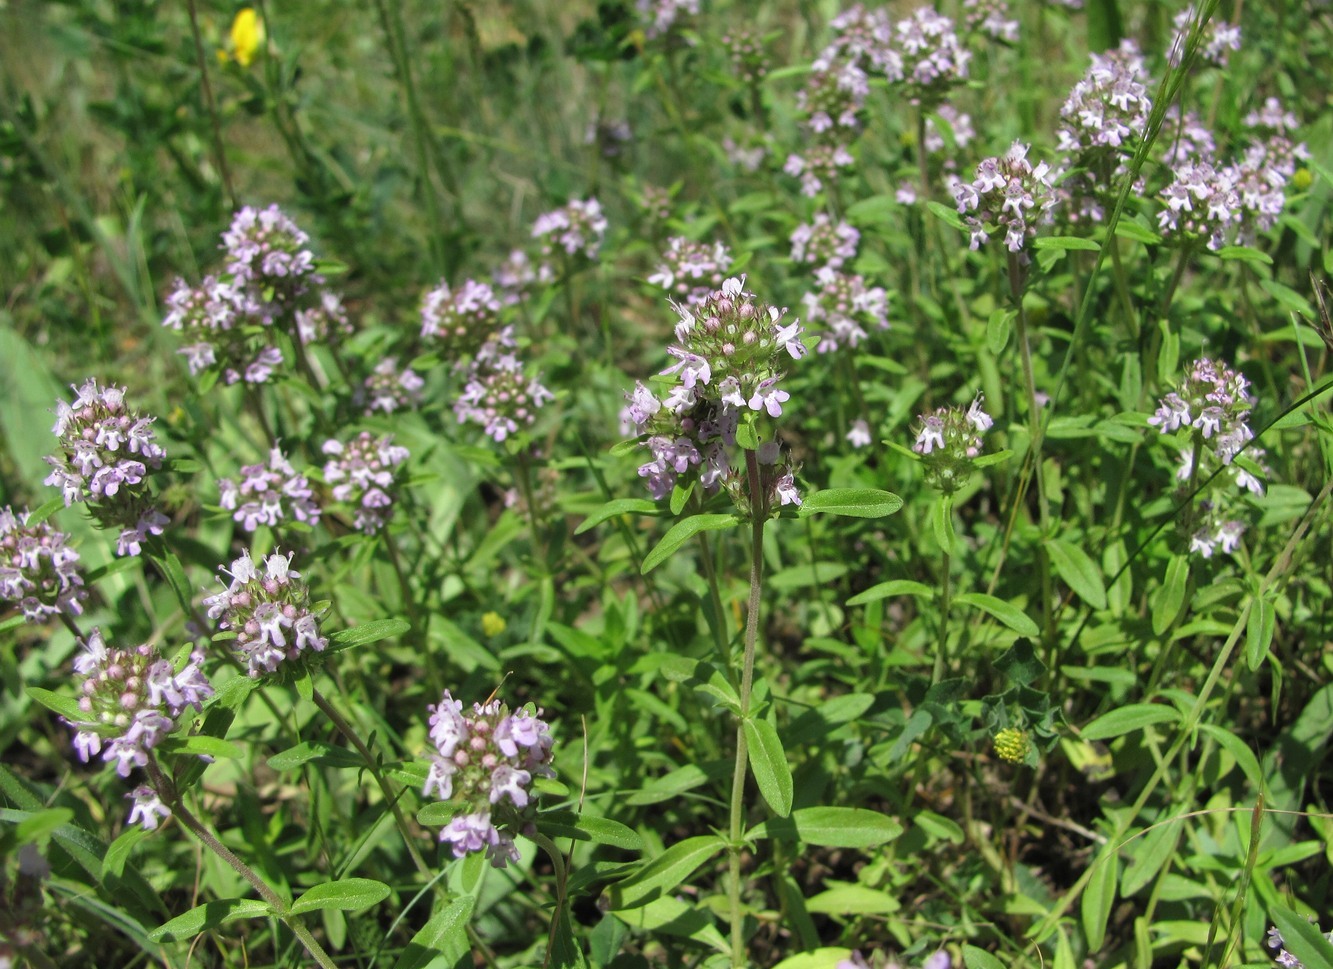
(364,473)
(659,16)
(1009,193)
(819,164)
(265,249)
(576,228)
(501,396)
(1201,203)
(1187,139)
(513,277)
(325,321)
(859,435)
(486,762)
(960,127)
(690,270)
(38,571)
(462,321)
(148,809)
(1109,106)
(821,243)
(845,305)
(130,700)
(269,612)
(833,98)
(926,56)
(1219,39)
(990,17)
(749,61)
(267,494)
(949,441)
(106,455)
(389,389)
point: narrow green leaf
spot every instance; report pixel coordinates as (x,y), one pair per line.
(681,532)
(1170,600)
(845,899)
(582,827)
(671,916)
(175,573)
(997,330)
(679,496)
(347,895)
(1149,853)
(66,706)
(1238,749)
(369,632)
(941,523)
(1125,229)
(768,763)
(1287,298)
(974,958)
(1006,612)
(322,753)
(1078,571)
(894,587)
(851,502)
(831,827)
(445,935)
(201,745)
(201,918)
(946,214)
(1302,939)
(1245,253)
(1099,896)
(659,877)
(1259,631)
(1064,243)
(614,508)
(1128,719)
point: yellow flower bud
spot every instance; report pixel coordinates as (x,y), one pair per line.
(1302,179)
(493,624)
(1012,744)
(247,36)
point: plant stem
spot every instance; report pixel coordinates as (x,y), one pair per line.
(759,514)
(211,106)
(167,791)
(561,887)
(942,649)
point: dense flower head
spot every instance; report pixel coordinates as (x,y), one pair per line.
(817,165)
(1109,107)
(269,611)
(106,454)
(364,473)
(265,249)
(655,201)
(926,55)
(223,324)
(577,227)
(1219,39)
(130,699)
(486,762)
(1007,192)
(324,321)
(1201,203)
(960,125)
(1186,138)
(1012,744)
(990,17)
(822,243)
(749,61)
(462,320)
(833,98)
(513,277)
(690,270)
(1272,118)
(269,493)
(860,37)
(949,441)
(842,307)
(659,16)
(501,395)
(1215,401)
(389,388)
(38,571)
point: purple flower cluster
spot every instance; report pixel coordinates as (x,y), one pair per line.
(821,243)
(659,16)
(936,960)
(926,56)
(819,164)
(106,455)
(728,354)
(949,441)
(749,61)
(130,700)
(364,474)
(269,612)
(37,569)
(960,126)
(389,389)
(223,324)
(267,494)
(990,17)
(324,322)
(576,228)
(501,396)
(845,306)
(1220,39)
(486,763)
(1007,192)
(690,270)
(464,320)
(1109,106)
(267,251)
(516,274)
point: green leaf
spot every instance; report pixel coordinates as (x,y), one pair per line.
(1078,571)
(831,827)
(671,916)
(1287,298)
(444,936)
(680,494)
(974,958)
(1099,896)
(369,632)
(321,752)
(997,330)
(347,895)
(1238,749)
(1006,612)
(851,502)
(201,918)
(1259,631)
(844,899)
(1128,719)
(1020,664)
(768,763)
(1302,939)
(659,877)
(1065,243)
(894,587)
(1245,253)
(612,509)
(1125,229)
(201,745)
(1169,603)
(66,706)
(681,532)
(941,522)
(1149,854)
(582,827)
(175,573)
(947,215)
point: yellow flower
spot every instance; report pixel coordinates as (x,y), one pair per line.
(1012,744)
(493,624)
(1302,179)
(247,36)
